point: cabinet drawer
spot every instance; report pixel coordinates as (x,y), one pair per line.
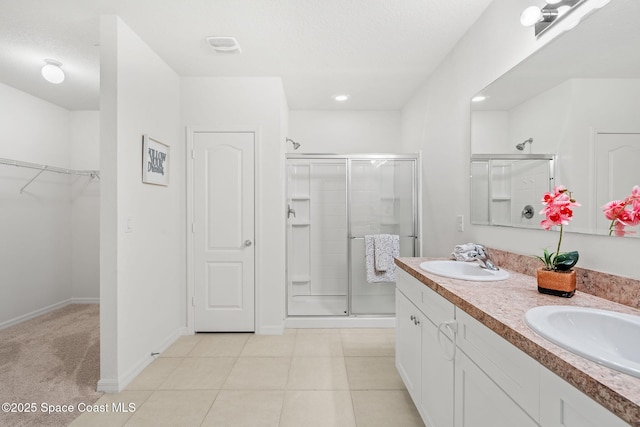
(511,369)
(436,307)
(409,286)
(432,305)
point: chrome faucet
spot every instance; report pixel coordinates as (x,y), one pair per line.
(483,259)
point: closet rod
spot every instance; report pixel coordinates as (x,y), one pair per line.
(47,168)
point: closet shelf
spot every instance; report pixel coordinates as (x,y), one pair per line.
(47,168)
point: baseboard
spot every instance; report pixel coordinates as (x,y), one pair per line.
(340,322)
(108,386)
(115,386)
(270,330)
(85,300)
(36,313)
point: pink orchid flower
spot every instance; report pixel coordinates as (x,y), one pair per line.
(623,213)
(557,210)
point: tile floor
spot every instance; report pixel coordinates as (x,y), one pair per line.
(304,378)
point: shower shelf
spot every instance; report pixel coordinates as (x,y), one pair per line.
(300,197)
(300,224)
(301,279)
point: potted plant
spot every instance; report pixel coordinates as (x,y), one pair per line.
(623,213)
(557,277)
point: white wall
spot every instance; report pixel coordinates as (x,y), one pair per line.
(85,206)
(343,132)
(35,265)
(143,271)
(437,121)
(252,103)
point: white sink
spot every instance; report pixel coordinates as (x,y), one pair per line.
(463,270)
(606,337)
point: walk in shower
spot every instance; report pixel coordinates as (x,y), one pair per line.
(333,201)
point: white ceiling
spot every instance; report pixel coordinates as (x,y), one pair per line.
(378,51)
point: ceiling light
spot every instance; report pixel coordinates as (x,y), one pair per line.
(52,71)
(478,98)
(224,44)
(341,97)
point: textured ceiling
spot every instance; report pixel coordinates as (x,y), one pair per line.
(379,51)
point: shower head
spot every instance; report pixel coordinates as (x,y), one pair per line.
(522,144)
(295,144)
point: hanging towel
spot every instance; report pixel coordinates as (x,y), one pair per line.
(380,249)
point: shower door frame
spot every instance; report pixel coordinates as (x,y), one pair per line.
(417,212)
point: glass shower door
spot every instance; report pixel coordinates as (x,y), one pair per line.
(318,274)
(382,200)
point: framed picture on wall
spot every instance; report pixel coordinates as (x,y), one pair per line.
(155,161)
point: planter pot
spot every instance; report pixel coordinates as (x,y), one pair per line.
(558,283)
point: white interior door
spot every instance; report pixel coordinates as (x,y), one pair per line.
(223,194)
(617,156)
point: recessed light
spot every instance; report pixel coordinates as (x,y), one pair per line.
(478,98)
(224,44)
(52,71)
(341,97)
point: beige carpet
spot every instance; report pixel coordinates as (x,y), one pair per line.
(53,359)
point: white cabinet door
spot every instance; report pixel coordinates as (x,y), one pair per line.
(510,368)
(480,402)
(408,339)
(562,405)
(437,377)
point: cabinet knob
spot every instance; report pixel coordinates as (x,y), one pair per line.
(413,317)
(417,321)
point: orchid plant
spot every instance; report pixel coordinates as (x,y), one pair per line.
(558,212)
(623,213)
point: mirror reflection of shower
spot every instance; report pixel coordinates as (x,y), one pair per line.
(296,145)
(520,146)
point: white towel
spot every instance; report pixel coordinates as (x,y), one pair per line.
(468,252)
(380,250)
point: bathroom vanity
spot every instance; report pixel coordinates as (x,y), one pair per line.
(468,359)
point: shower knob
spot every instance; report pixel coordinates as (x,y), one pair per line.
(527,212)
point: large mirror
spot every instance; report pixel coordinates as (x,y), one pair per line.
(506,188)
(578,98)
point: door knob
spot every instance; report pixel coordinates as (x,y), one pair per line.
(247,242)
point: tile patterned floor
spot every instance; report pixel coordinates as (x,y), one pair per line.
(304,378)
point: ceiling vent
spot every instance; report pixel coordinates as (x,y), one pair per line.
(224,45)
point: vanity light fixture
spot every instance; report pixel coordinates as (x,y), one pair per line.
(543,18)
(52,71)
(341,97)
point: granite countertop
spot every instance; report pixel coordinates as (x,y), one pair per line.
(501,307)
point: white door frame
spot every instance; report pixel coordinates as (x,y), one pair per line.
(190,130)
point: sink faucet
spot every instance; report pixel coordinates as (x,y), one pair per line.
(483,259)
